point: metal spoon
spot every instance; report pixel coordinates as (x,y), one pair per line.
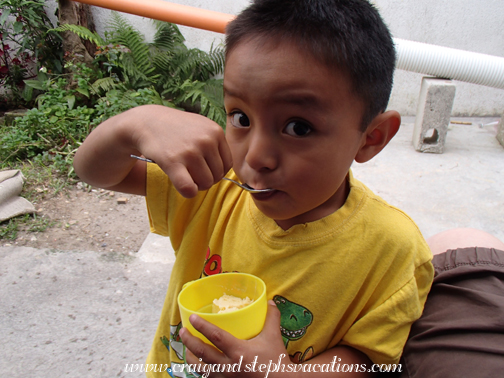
(243,186)
(247,187)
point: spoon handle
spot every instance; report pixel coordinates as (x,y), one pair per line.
(243,186)
(142,158)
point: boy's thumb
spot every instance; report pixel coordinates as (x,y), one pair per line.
(272,322)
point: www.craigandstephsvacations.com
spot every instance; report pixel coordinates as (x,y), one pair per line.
(205,369)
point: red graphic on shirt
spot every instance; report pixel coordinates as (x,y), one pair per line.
(213,264)
(298,358)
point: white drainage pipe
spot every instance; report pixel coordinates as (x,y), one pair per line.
(412,56)
(450,63)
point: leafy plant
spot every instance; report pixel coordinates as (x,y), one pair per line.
(119,100)
(82,32)
(183,77)
(57,126)
(26,43)
(187,76)
(208,97)
(128,72)
(51,133)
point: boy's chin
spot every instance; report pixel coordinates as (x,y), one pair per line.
(286,214)
(283,218)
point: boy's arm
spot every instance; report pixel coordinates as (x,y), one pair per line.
(262,355)
(189,148)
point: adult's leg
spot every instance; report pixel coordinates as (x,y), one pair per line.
(461,331)
(463,238)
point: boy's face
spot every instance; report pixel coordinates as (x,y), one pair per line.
(293,125)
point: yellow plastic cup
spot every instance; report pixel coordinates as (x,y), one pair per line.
(196,297)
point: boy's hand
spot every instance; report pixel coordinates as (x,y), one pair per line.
(189,148)
(268,349)
(265,347)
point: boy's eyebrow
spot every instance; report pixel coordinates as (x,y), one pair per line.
(230,93)
(299,99)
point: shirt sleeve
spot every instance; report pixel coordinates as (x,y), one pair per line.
(170,214)
(382,332)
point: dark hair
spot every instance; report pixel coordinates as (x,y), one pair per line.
(347,34)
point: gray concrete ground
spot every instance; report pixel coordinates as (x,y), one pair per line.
(78,313)
(88,314)
(463,187)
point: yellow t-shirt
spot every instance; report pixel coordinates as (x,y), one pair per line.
(358,277)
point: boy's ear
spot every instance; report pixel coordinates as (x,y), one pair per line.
(381,130)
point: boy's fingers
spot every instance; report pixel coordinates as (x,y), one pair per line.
(202,173)
(219,160)
(199,349)
(217,336)
(198,366)
(197,172)
(216,168)
(190,358)
(272,322)
(226,156)
(182,180)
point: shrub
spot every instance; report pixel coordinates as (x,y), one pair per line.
(26,43)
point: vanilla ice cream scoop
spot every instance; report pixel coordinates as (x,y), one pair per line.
(229,303)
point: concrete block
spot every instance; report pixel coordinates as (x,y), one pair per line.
(433,114)
(500,131)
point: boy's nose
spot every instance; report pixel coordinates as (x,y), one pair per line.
(262,154)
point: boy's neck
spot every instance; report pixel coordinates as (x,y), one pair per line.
(327,208)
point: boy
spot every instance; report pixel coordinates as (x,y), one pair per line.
(306,86)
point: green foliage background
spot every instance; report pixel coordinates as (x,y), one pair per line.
(26,42)
(127,71)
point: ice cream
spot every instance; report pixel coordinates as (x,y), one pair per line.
(228,303)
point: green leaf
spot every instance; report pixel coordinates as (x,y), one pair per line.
(37,84)
(70,101)
(82,32)
(41,76)
(53,119)
(25,3)
(27,93)
(83,91)
(18,27)
(58,66)
(3,17)
(211,113)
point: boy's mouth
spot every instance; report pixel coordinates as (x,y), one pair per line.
(264,196)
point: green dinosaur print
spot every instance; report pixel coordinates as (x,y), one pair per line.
(294,319)
(165,342)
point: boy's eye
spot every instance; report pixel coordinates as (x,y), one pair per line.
(239,119)
(298,129)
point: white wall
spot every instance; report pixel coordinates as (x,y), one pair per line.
(473,25)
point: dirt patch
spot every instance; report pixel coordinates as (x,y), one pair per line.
(86,219)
